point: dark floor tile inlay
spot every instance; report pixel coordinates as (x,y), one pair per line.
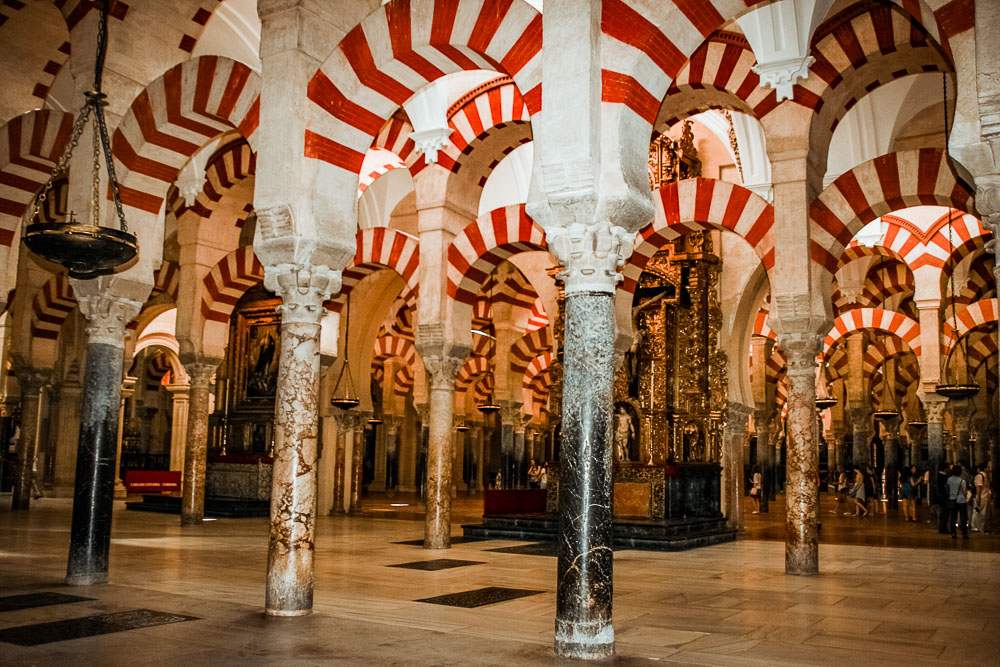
(88,626)
(480,597)
(537,549)
(437,564)
(419,543)
(31,600)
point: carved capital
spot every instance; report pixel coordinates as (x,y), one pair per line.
(200,371)
(302,289)
(441,370)
(31,380)
(782,75)
(392,423)
(590,255)
(934,408)
(510,413)
(107,316)
(428,142)
(801,349)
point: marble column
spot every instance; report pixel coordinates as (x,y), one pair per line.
(420,474)
(357,459)
(51,421)
(31,381)
(509,415)
(180,395)
(302,290)
(519,459)
(934,407)
(802,457)
(106,316)
(860,443)
(590,255)
(340,464)
(480,455)
(762,425)
(892,462)
(961,411)
(460,463)
(66,437)
(200,370)
(392,424)
(982,448)
(441,371)
(732,464)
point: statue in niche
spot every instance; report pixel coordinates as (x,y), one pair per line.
(626,432)
(694,443)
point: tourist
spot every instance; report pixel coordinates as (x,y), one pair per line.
(534,475)
(958,502)
(908,495)
(871,497)
(857,494)
(842,487)
(939,510)
(543,476)
(755,487)
(982,516)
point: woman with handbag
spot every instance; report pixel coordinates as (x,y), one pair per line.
(755,490)
(857,493)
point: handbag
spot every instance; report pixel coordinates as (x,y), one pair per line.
(753,491)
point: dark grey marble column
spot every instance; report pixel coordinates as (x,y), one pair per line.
(861,447)
(31,381)
(934,406)
(893,462)
(508,466)
(590,255)
(340,463)
(94,493)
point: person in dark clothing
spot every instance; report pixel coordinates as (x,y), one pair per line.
(941,498)
(958,502)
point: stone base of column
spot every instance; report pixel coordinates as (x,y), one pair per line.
(586,641)
(91,579)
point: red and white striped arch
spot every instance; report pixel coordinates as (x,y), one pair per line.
(400,48)
(175,116)
(493,237)
(933,247)
(223,286)
(760,325)
(473,367)
(889,182)
(387,347)
(378,161)
(527,348)
(538,317)
(978,284)
(496,104)
(30,146)
(379,248)
(875,318)
(166,280)
(51,306)
(974,315)
(719,74)
(702,203)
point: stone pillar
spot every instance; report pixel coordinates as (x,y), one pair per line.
(732,464)
(52,409)
(392,424)
(378,480)
(892,462)
(66,438)
(480,454)
(420,474)
(982,448)
(31,381)
(590,255)
(340,464)
(762,425)
(93,499)
(861,441)
(961,411)
(509,416)
(357,459)
(303,290)
(441,370)
(127,392)
(180,395)
(934,407)
(802,459)
(834,454)
(200,370)
(520,459)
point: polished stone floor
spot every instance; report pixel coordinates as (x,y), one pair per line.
(194,596)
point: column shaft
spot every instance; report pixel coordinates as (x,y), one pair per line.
(339,466)
(357,462)
(802,457)
(583,598)
(296,425)
(441,373)
(30,400)
(196,444)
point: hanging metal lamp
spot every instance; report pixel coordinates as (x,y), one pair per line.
(918,424)
(86,249)
(462,428)
(825,402)
(489,406)
(374,419)
(347,397)
(953,390)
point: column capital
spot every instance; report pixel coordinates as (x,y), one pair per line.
(303,289)
(392,423)
(934,407)
(106,316)
(441,370)
(510,413)
(200,369)
(590,255)
(31,379)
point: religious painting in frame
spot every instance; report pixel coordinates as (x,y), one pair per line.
(258,347)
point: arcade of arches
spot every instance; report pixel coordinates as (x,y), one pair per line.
(686,258)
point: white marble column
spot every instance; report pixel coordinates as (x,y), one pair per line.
(180,396)
(441,370)
(802,459)
(303,290)
(732,464)
(357,440)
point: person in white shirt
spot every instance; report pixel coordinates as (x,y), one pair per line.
(958,502)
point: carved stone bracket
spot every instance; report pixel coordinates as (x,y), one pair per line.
(590,255)
(441,370)
(934,408)
(302,289)
(801,350)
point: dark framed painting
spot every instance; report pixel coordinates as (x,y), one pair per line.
(258,333)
